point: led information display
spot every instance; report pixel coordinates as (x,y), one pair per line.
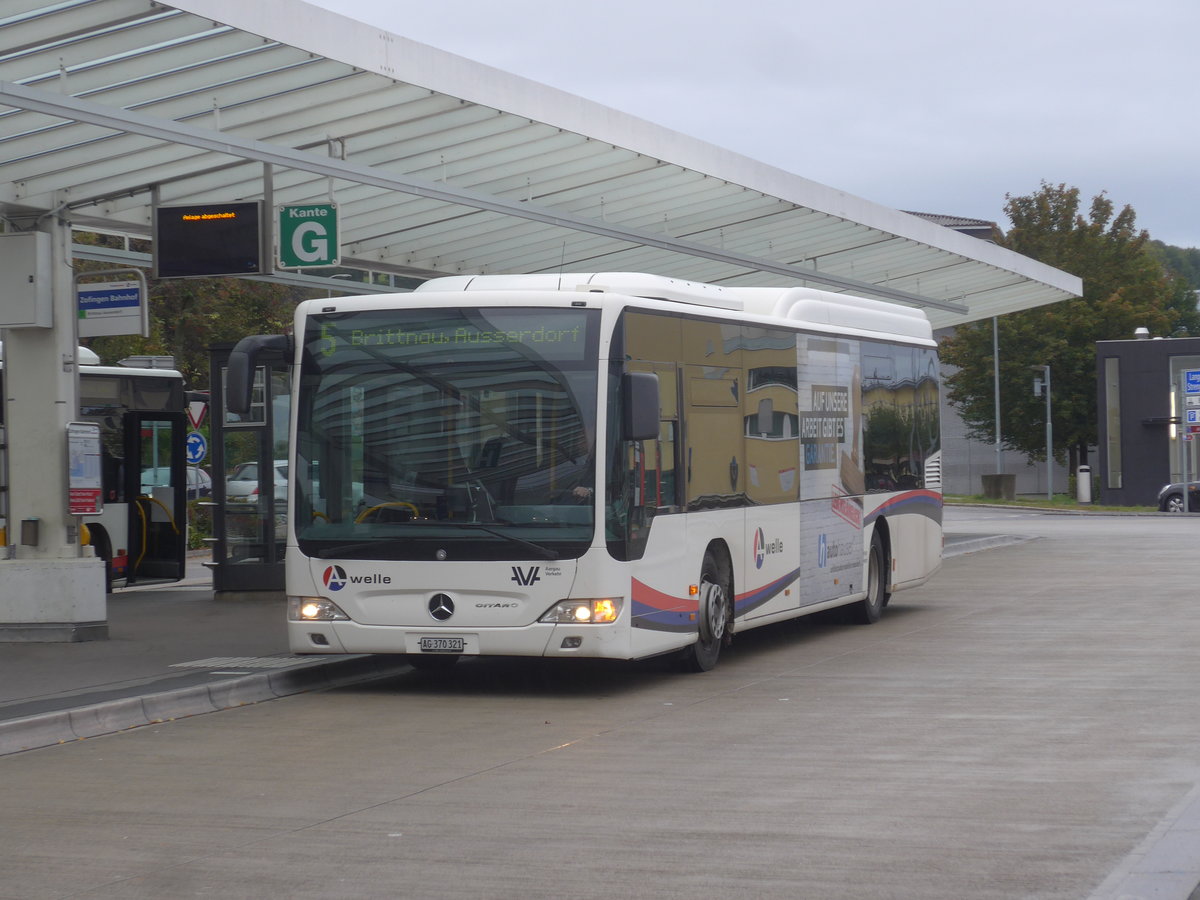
(208,239)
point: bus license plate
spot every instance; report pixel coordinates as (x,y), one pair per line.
(441,645)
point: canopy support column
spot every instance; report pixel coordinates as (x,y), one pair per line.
(51,587)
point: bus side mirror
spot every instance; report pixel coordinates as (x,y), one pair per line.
(243,360)
(639,406)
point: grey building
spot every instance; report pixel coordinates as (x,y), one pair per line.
(1143,444)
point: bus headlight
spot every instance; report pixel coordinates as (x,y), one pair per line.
(598,611)
(314,609)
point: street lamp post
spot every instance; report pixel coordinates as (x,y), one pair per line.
(996,388)
(1042,385)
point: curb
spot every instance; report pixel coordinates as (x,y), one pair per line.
(1167,862)
(1054,511)
(63,726)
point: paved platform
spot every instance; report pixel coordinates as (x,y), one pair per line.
(175,651)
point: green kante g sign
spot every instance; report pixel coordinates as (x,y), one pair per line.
(308,236)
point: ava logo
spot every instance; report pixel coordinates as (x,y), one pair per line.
(764,548)
(334,578)
(525,577)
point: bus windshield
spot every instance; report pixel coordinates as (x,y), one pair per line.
(447,433)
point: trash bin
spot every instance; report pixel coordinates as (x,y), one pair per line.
(1083,484)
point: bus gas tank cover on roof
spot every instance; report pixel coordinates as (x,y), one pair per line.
(633,284)
(821,309)
(827,309)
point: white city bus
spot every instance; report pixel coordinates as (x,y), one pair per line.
(611,466)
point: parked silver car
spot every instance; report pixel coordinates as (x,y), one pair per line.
(242,484)
(199,484)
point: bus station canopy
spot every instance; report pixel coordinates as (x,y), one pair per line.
(438,165)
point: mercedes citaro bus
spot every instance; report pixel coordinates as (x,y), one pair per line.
(609,465)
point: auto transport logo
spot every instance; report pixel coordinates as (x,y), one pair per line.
(334,578)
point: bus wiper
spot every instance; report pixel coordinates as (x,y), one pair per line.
(536,549)
(347,549)
(344,549)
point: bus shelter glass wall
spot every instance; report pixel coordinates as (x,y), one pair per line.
(249,484)
(254,459)
(468,433)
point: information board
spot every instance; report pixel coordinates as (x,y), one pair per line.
(85,490)
(110,307)
(208,239)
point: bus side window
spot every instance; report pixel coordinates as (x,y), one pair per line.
(713,388)
(642,480)
(644,485)
(657,460)
(771,418)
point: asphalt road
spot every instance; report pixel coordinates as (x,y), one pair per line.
(1027,725)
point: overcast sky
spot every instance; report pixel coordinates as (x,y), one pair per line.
(931,105)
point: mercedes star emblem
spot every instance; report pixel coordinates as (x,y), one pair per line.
(441,607)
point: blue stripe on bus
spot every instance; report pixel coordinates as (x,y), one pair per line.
(767,592)
(647,614)
(655,610)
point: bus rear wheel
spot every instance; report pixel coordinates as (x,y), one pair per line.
(868,610)
(714,617)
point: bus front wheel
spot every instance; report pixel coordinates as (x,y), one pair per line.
(714,617)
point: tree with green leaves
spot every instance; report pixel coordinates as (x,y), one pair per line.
(1184,262)
(1125,286)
